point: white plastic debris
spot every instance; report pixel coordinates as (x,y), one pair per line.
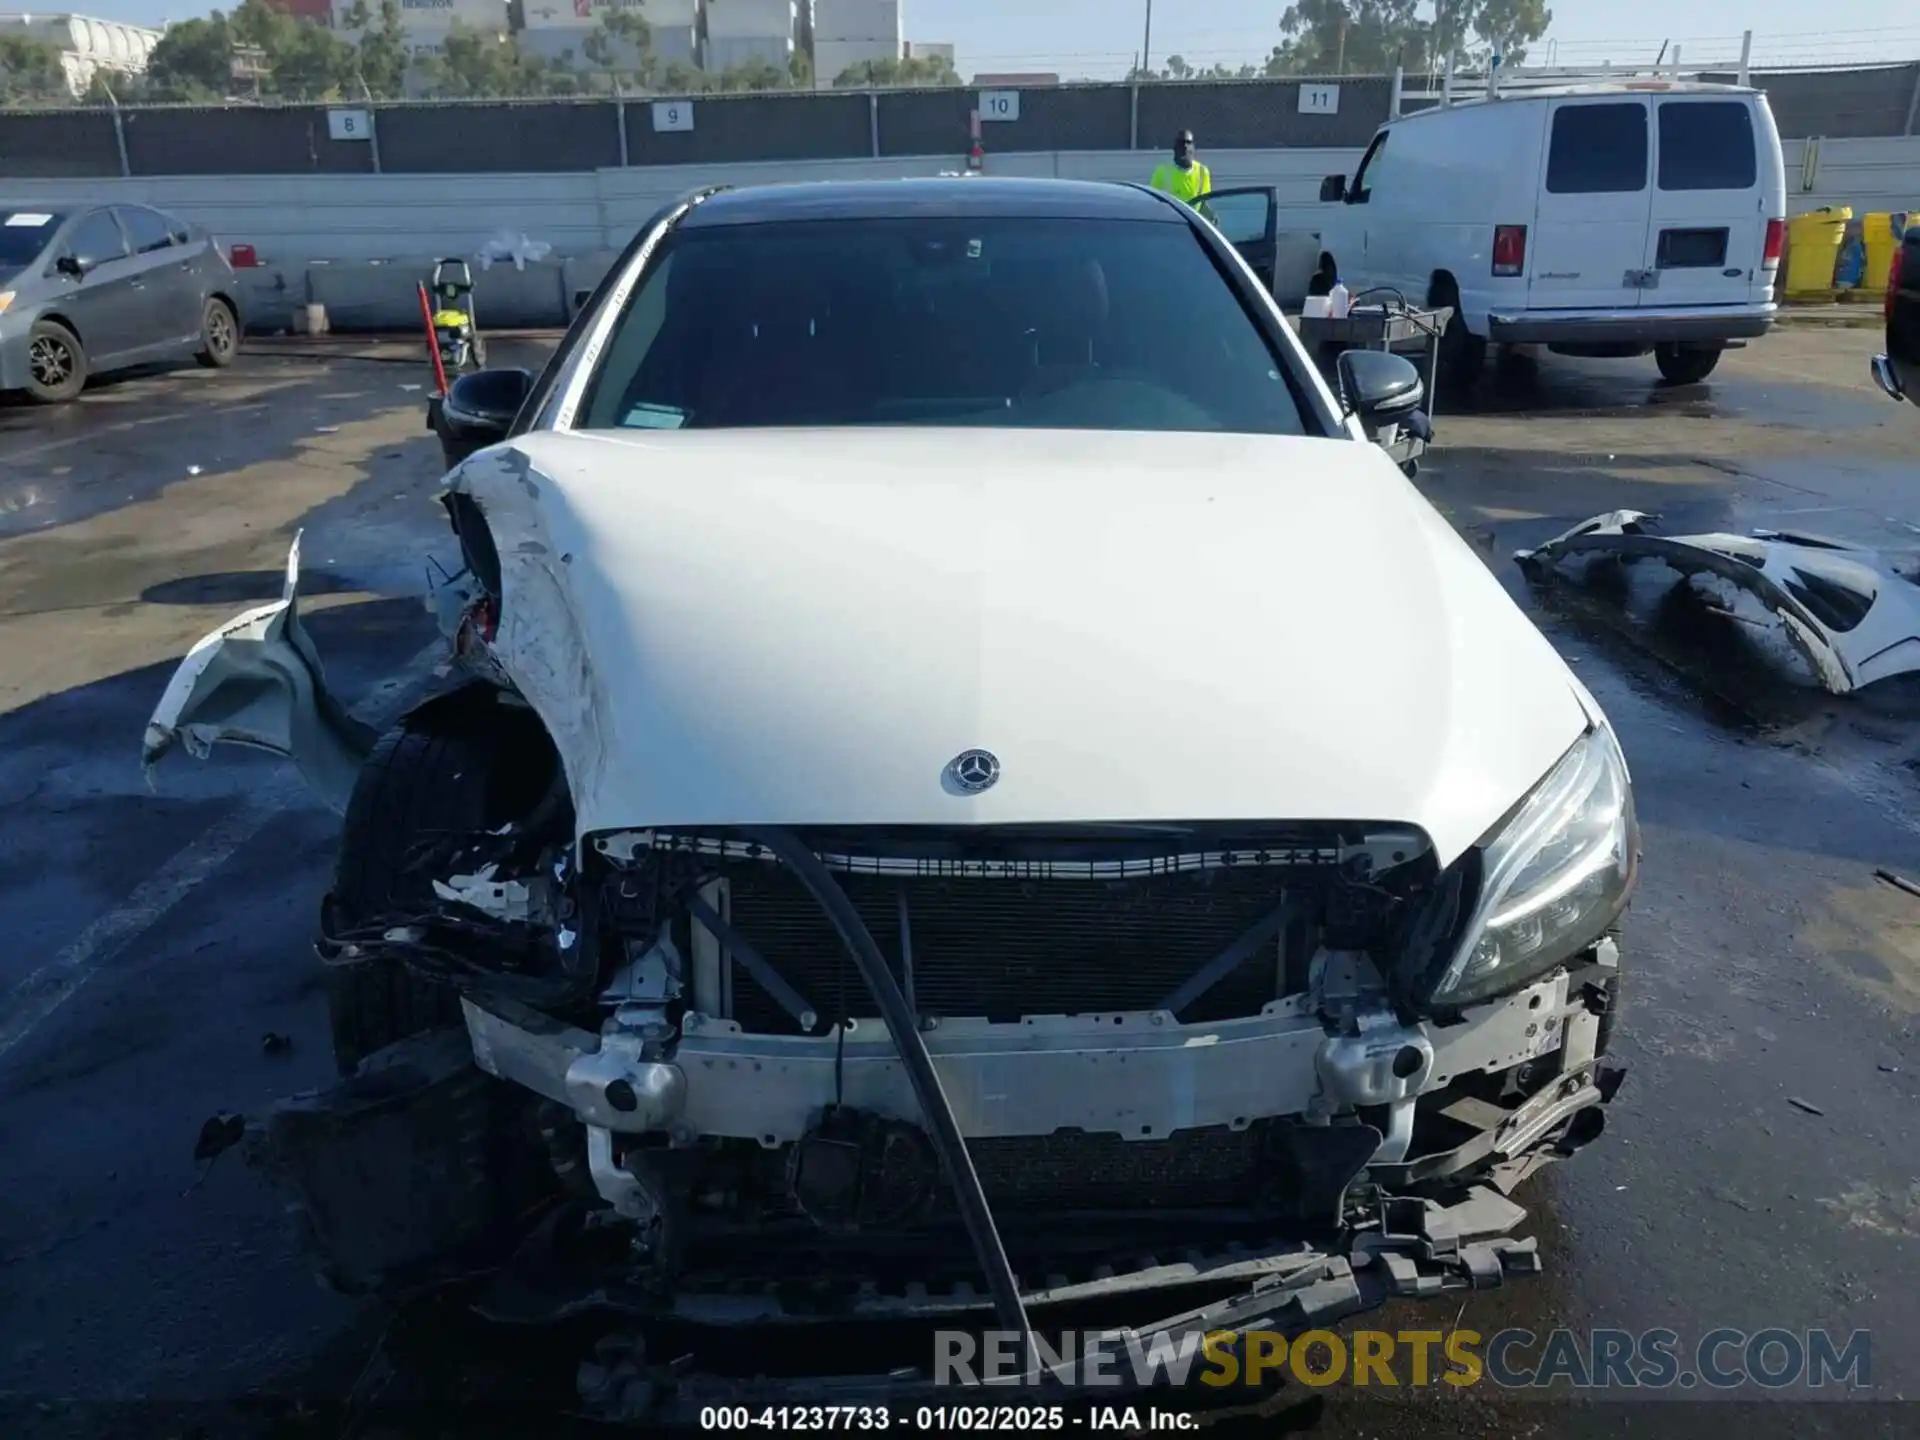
(508,246)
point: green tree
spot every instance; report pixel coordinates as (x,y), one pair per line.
(193,60)
(1507,27)
(1348,37)
(920,70)
(380,49)
(31,72)
(1361,37)
(754,75)
(621,46)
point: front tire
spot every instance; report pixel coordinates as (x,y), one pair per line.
(56,363)
(1686,364)
(415,782)
(1463,354)
(219,335)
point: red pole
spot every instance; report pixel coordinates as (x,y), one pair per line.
(433,342)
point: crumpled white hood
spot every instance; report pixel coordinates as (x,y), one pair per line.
(801,627)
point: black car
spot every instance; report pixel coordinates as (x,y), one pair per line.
(1898,370)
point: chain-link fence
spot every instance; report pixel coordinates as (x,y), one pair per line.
(494,136)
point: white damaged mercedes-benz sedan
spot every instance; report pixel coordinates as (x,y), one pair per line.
(974,792)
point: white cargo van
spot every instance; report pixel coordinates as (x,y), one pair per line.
(1608,219)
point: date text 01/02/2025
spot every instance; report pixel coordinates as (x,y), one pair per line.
(939,1419)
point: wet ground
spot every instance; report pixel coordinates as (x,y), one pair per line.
(1758,1170)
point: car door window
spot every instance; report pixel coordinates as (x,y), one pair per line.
(147,229)
(181,231)
(1241,218)
(97,240)
(1368,172)
(1598,150)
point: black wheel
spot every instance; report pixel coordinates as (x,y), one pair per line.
(56,363)
(414,783)
(1686,364)
(219,335)
(1463,354)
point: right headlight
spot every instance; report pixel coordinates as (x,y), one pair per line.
(1553,878)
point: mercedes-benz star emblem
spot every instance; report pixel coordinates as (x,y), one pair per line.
(974,770)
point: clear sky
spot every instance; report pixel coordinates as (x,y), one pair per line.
(1101,37)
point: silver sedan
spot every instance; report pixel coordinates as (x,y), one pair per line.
(89,289)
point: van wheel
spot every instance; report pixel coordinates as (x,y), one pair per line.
(1686,364)
(1463,354)
(56,363)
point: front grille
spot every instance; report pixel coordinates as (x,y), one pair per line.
(1194,1169)
(1003,948)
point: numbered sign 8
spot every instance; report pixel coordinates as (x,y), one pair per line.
(673,115)
(999,104)
(349,125)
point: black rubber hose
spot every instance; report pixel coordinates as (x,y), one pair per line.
(947,1139)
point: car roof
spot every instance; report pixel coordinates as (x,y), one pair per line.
(944,196)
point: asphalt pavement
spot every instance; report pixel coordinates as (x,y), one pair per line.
(1758,1167)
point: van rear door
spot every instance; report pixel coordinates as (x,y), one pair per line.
(1711,204)
(1590,234)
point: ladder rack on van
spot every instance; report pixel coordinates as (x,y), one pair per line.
(1455,86)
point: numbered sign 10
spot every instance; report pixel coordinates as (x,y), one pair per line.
(1319,99)
(349,125)
(999,104)
(673,115)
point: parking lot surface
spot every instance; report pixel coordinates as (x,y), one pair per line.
(1757,1171)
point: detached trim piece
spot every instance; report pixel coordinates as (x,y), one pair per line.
(1854,619)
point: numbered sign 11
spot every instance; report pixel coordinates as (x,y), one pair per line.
(999,104)
(349,125)
(673,115)
(1319,99)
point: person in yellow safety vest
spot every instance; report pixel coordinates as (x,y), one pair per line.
(1186,178)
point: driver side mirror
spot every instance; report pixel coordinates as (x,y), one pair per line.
(1379,386)
(478,411)
(1333,190)
(70,266)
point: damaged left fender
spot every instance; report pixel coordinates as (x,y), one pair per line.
(258,681)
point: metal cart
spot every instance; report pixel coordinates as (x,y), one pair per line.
(1381,324)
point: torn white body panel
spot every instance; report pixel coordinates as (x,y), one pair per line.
(1854,619)
(258,681)
(806,627)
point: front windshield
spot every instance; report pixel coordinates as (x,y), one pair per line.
(24,234)
(998,321)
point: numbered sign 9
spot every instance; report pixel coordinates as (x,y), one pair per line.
(349,125)
(673,115)
(999,104)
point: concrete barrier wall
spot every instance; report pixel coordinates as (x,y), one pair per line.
(359,243)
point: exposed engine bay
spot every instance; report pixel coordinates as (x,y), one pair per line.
(786,1073)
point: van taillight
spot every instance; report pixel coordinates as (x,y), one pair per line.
(1893,282)
(1509,249)
(1776,237)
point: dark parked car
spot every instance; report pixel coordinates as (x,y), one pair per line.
(1898,370)
(91,288)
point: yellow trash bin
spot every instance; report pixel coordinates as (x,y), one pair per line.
(1813,247)
(1882,231)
